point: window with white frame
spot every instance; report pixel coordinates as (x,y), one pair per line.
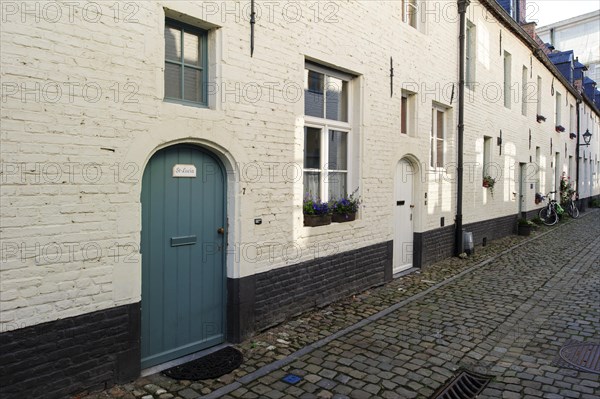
(524,91)
(438,137)
(507,79)
(186,66)
(557,109)
(572,120)
(539,96)
(538,177)
(327,132)
(407,113)
(410,13)
(470,55)
(487,156)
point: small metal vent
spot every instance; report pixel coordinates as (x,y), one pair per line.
(466,385)
(580,356)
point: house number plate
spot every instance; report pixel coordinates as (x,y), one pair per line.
(184,171)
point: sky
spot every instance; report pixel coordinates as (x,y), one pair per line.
(546,12)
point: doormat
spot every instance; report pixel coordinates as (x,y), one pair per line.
(214,365)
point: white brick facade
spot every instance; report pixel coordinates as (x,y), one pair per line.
(83,112)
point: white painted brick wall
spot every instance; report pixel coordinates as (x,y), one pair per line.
(72,163)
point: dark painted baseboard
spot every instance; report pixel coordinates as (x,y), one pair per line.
(435,245)
(271,297)
(64,357)
(432,246)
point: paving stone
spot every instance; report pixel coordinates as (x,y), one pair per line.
(342,389)
(326,384)
(405,393)
(330,374)
(312,378)
(343,378)
(511,395)
(358,394)
(357,384)
(188,393)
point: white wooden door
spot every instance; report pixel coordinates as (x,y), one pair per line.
(403,217)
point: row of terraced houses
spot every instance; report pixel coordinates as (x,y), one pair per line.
(156,156)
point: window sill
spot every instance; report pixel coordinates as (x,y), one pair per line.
(339,226)
(186,103)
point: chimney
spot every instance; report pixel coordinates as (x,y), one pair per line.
(529,27)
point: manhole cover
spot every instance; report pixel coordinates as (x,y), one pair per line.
(466,385)
(582,356)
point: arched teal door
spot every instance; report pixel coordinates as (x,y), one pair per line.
(183,271)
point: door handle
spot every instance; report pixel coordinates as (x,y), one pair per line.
(221,230)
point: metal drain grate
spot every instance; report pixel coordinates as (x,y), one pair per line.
(466,385)
(580,356)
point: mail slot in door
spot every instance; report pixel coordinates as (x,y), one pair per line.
(180,241)
(400,203)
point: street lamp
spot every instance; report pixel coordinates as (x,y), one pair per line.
(587,138)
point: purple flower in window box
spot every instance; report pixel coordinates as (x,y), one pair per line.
(316,213)
(559,129)
(540,118)
(572,136)
(345,208)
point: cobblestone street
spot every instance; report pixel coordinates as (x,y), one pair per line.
(504,312)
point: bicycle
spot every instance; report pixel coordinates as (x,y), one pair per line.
(549,213)
(572,208)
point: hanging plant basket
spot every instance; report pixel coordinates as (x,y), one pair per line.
(559,129)
(489,182)
(572,136)
(540,118)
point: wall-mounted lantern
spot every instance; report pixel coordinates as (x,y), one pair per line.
(587,138)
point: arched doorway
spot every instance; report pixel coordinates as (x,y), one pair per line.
(183,255)
(404,205)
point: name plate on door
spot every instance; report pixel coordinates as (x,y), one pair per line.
(184,171)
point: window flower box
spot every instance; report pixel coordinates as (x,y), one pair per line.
(341,218)
(344,209)
(316,213)
(317,220)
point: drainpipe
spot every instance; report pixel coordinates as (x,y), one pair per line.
(458,234)
(577,113)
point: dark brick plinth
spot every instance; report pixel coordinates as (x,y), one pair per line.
(435,245)
(284,292)
(63,357)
